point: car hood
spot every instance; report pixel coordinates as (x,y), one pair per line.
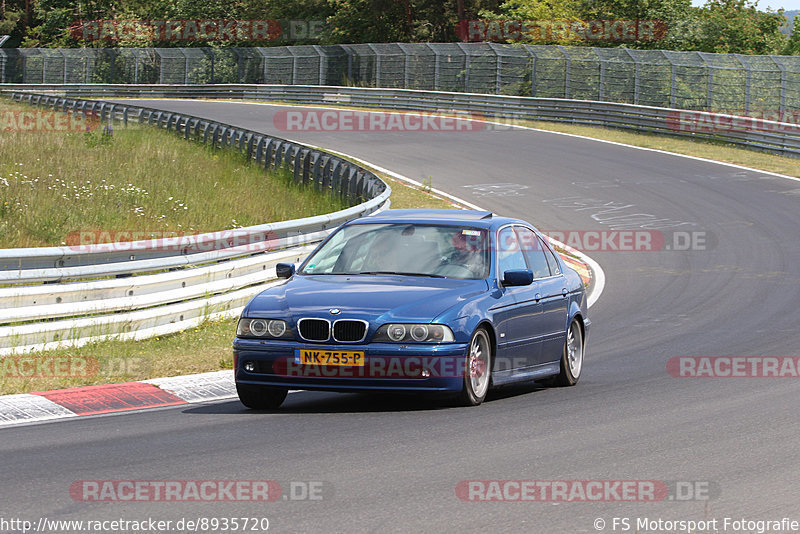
(375,298)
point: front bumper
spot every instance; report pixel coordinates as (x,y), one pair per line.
(387,366)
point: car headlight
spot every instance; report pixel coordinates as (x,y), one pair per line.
(413,333)
(267,328)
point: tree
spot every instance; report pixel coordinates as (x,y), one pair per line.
(734,27)
(792,47)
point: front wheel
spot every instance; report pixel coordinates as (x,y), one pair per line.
(478,369)
(571,357)
(261,397)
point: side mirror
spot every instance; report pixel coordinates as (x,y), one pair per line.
(518,277)
(284,270)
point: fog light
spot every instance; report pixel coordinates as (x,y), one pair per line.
(426,373)
(249,367)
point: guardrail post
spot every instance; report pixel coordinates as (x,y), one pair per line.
(305,157)
(344,182)
(326,172)
(352,184)
(292,161)
(360,184)
(259,150)
(316,169)
(277,155)
(269,145)
(336,177)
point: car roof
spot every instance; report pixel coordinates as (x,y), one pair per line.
(475,218)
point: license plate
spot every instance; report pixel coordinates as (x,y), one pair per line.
(329,357)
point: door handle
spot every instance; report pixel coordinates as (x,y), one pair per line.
(564,291)
(537,297)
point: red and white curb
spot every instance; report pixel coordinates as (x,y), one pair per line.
(111,398)
(579,266)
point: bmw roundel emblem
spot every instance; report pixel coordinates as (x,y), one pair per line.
(335,311)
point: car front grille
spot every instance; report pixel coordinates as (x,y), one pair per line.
(344,330)
(314,329)
(349,331)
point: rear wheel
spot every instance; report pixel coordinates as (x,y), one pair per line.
(478,371)
(571,357)
(261,397)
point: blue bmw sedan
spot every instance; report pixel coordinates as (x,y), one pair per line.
(447,301)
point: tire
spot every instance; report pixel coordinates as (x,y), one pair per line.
(477,369)
(571,357)
(261,397)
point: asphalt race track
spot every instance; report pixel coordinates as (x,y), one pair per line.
(392,463)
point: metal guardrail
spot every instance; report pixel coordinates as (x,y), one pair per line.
(766,135)
(190,278)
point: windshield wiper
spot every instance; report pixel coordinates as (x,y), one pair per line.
(403,274)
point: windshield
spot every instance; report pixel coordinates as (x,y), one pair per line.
(402,248)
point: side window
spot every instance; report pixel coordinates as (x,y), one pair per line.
(509,253)
(551,260)
(534,252)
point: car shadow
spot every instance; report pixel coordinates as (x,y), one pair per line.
(322,402)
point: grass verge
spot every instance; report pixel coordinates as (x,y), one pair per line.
(57,185)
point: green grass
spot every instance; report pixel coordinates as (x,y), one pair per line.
(55,184)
